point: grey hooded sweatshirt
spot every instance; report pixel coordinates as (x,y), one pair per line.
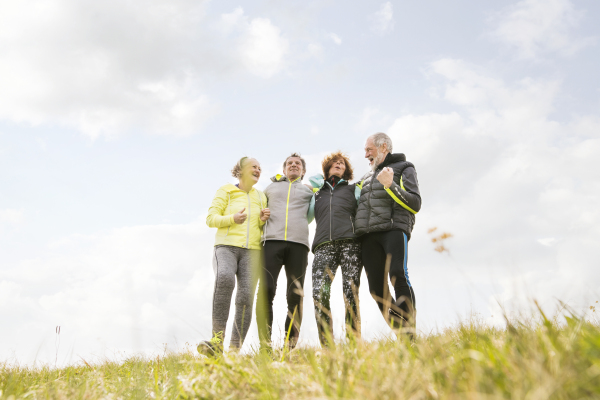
(288,202)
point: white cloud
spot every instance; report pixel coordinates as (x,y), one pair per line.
(315,50)
(335,38)
(261,47)
(264,48)
(546,241)
(11,216)
(129,289)
(499,173)
(373,120)
(110,67)
(537,27)
(382,21)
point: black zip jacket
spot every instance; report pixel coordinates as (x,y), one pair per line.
(381,209)
(334,213)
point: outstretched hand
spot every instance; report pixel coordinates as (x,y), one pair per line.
(265,213)
(386,177)
(240,216)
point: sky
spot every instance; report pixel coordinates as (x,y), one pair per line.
(119,121)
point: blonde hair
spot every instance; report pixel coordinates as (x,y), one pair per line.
(236,172)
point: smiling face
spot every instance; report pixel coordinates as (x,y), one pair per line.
(374,154)
(250,171)
(293,168)
(338,168)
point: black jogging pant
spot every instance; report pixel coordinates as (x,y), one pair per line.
(294,256)
(389,249)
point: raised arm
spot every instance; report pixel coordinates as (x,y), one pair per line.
(218,207)
(406,191)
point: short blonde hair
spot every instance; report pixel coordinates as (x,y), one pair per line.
(236,172)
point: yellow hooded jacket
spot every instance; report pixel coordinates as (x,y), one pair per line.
(228,201)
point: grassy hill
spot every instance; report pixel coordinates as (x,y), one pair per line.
(542,359)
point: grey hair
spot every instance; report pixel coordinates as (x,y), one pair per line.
(380,138)
(236,172)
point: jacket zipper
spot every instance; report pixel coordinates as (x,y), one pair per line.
(369,201)
(330,216)
(287,206)
(248,221)
(266,222)
(228,210)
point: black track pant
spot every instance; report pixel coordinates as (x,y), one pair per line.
(389,249)
(294,256)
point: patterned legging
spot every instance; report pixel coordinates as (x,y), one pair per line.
(345,253)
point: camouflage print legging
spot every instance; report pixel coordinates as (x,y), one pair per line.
(345,253)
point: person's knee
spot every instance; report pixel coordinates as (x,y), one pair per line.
(226,282)
(295,296)
(398,280)
(268,288)
(245,302)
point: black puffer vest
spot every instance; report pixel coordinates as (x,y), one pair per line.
(334,213)
(377,211)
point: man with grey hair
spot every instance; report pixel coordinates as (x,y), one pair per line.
(389,200)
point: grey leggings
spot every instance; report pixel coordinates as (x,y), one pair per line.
(230,262)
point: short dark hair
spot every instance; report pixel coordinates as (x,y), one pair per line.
(330,159)
(301,159)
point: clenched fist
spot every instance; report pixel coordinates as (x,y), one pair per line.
(265,213)
(386,177)
(240,216)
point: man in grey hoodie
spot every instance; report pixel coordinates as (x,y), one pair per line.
(285,244)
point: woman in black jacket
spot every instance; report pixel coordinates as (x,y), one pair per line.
(334,205)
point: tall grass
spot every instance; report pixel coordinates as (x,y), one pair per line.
(536,359)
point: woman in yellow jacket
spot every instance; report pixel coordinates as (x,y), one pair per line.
(239,212)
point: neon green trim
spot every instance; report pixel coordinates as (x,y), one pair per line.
(402,184)
(287,207)
(315,190)
(399,201)
(278,176)
(360,184)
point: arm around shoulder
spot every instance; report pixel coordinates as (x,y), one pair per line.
(310,216)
